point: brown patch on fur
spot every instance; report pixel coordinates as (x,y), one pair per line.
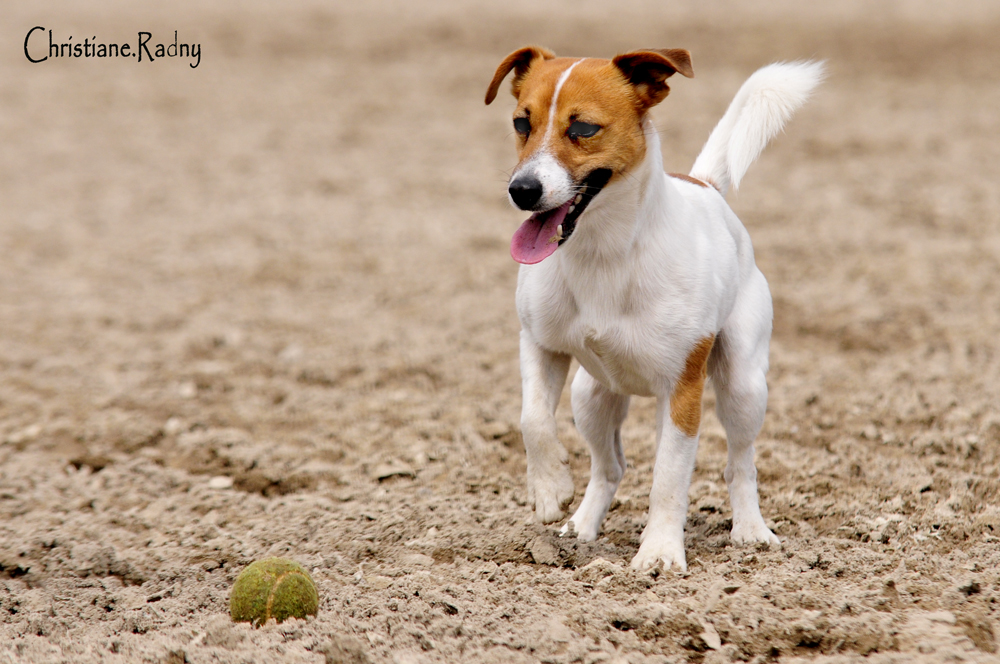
(688,178)
(520,61)
(648,70)
(679,59)
(685,402)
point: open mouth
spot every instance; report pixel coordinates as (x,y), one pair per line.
(542,233)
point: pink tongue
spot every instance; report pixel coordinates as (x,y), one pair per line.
(537,238)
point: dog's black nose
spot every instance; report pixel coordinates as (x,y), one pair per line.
(525,191)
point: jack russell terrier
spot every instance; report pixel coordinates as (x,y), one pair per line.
(647,279)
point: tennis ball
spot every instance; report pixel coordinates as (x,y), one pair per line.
(273,588)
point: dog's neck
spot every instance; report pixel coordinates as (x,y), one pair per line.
(609,230)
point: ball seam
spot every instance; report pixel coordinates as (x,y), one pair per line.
(274,589)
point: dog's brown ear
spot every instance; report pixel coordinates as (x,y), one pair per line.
(648,70)
(520,61)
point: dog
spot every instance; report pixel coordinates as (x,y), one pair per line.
(648,279)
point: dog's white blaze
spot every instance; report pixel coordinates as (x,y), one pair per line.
(557,185)
(555,100)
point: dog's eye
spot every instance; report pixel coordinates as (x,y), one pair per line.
(522,126)
(582,130)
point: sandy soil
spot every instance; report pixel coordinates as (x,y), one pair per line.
(289,267)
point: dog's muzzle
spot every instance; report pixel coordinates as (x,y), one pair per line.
(545,231)
(525,191)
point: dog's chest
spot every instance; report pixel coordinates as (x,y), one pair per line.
(623,342)
(613,356)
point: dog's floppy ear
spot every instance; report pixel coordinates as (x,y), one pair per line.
(520,61)
(648,70)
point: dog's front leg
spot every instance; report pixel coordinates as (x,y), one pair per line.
(599,414)
(543,374)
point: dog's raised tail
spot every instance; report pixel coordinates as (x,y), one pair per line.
(757,113)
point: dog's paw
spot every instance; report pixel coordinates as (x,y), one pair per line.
(748,532)
(550,493)
(586,522)
(583,534)
(654,550)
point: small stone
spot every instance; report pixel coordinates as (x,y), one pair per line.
(345,650)
(385,471)
(220,482)
(380,582)
(418,560)
(946,617)
(597,570)
(291,352)
(710,636)
(543,553)
(24,435)
(556,630)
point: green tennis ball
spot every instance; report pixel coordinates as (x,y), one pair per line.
(273,588)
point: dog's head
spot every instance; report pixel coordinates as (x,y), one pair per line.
(579,126)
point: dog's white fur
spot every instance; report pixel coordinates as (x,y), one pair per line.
(655,265)
(756,115)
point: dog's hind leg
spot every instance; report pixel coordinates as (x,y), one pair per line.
(599,414)
(543,375)
(738,365)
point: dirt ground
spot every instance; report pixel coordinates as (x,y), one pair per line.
(289,267)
